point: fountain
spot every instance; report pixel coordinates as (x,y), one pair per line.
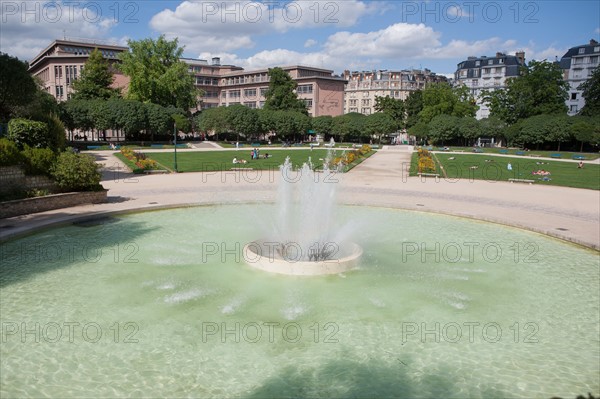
(304,239)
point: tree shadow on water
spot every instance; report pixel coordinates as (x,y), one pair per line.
(373,379)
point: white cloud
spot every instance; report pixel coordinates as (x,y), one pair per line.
(310,43)
(229,25)
(29,27)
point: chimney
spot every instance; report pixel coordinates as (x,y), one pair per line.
(593,42)
(216,61)
(499,55)
(520,56)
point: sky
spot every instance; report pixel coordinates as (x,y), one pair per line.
(337,35)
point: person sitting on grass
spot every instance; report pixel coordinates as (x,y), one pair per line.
(580,165)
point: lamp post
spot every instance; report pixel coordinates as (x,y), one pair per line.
(175,143)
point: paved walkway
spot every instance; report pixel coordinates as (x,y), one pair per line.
(381,180)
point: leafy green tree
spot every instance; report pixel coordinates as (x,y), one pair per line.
(95,79)
(290,124)
(413,106)
(420,130)
(443,99)
(392,107)
(586,130)
(213,120)
(348,126)
(492,127)
(444,128)
(539,90)
(243,120)
(469,129)
(322,124)
(379,124)
(158,120)
(540,129)
(281,95)
(591,94)
(559,129)
(157,74)
(17,87)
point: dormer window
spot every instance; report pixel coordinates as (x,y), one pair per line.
(582,50)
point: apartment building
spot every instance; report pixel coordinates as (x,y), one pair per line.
(62,61)
(363,87)
(59,64)
(225,85)
(578,64)
(487,74)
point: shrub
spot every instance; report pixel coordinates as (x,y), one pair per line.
(77,172)
(27,132)
(38,161)
(9,153)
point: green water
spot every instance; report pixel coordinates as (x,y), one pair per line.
(161,304)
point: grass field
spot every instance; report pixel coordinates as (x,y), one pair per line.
(493,168)
(208,161)
(533,153)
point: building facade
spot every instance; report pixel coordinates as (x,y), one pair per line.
(578,64)
(483,73)
(364,87)
(59,64)
(225,85)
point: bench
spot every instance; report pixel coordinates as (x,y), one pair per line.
(255,144)
(182,146)
(520,153)
(156,146)
(374,147)
(503,152)
(578,157)
(428,175)
(155,171)
(521,181)
(535,155)
(556,155)
(478,150)
(94,147)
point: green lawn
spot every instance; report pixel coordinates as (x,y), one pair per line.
(512,151)
(493,168)
(208,161)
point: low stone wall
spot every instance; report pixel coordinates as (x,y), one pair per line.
(14,178)
(50,202)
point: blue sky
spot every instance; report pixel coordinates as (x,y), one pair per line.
(337,35)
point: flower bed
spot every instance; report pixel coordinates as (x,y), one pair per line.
(139,159)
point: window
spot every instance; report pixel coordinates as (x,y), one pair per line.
(594,59)
(486,71)
(308,102)
(366,111)
(573,108)
(501,61)
(249,92)
(474,82)
(59,91)
(477,63)
(573,96)
(263,91)
(597,49)
(366,102)
(463,73)
(58,72)
(250,104)
(582,50)
(353,102)
(261,104)
(490,62)
(305,89)
(234,94)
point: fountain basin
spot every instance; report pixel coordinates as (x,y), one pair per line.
(257,257)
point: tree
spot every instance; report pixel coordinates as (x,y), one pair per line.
(349,126)
(492,127)
(322,124)
(290,123)
(591,94)
(443,99)
(281,95)
(469,129)
(413,106)
(213,120)
(243,120)
(17,87)
(95,79)
(420,130)
(444,128)
(392,107)
(25,132)
(586,130)
(157,73)
(539,90)
(379,124)
(158,120)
